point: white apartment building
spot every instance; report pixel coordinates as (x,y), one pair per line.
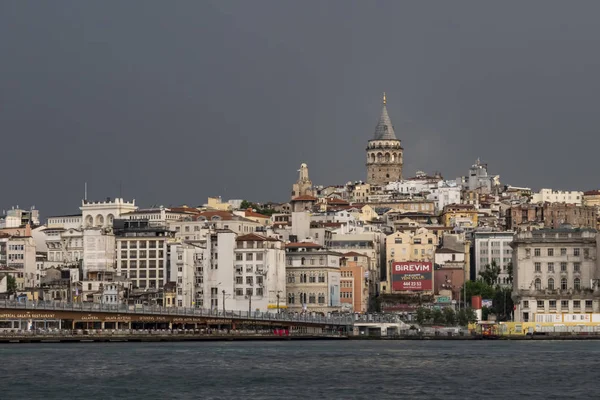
(445,193)
(142,253)
(313,278)
(555,272)
(20,256)
(558,196)
(493,247)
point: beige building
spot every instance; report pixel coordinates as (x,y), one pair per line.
(419,245)
(193,227)
(216,203)
(313,278)
(551,215)
(555,273)
(591,198)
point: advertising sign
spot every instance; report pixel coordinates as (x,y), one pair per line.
(412,275)
(487,303)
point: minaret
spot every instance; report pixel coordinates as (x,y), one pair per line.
(384,152)
(303,187)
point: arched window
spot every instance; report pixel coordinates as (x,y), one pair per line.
(302,261)
(387,157)
(551,284)
(99,220)
(577,284)
(563,284)
(538,284)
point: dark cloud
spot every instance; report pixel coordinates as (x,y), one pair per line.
(175,101)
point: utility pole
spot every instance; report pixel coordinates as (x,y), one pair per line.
(277,302)
(249,304)
(223,301)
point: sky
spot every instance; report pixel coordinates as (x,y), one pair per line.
(170,102)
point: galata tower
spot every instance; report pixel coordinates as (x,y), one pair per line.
(384,152)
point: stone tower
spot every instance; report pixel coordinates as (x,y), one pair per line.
(384,152)
(303,187)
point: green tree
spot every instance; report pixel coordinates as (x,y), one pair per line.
(437,316)
(449,316)
(509,268)
(490,273)
(421,315)
(245,205)
(479,288)
(471,316)
(461,317)
(503,304)
(11,284)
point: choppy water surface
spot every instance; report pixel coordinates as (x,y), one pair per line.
(302,370)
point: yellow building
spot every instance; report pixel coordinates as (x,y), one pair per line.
(419,245)
(215,203)
(368,214)
(591,198)
(463,215)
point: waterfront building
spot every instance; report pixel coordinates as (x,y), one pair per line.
(313,278)
(21,257)
(384,152)
(355,282)
(555,273)
(404,246)
(142,253)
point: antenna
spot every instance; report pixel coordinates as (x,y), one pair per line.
(85,191)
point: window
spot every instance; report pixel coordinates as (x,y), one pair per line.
(321,298)
(540,304)
(302,278)
(259,280)
(291,298)
(249,256)
(586,253)
(259,256)
(550,252)
(398,240)
(249,292)
(536,252)
(576,304)
(303,261)
(576,252)
(550,267)
(291,278)
(249,280)
(538,284)
(577,284)
(563,252)
(588,304)
(526,304)
(577,267)
(552,304)
(563,284)
(550,284)
(564,304)
(312,298)
(239,292)
(430,241)
(239,257)
(239,280)
(321,277)
(417,241)
(563,267)
(538,267)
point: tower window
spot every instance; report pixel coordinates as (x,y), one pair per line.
(387,175)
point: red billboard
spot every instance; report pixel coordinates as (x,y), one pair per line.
(412,275)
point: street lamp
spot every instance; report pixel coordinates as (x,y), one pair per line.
(277,296)
(223,301)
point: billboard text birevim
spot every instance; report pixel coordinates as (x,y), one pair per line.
(412,275)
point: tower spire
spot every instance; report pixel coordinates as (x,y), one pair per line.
(384,99)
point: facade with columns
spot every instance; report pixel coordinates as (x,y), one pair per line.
(384,152)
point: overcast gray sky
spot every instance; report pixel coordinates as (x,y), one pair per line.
(178,100)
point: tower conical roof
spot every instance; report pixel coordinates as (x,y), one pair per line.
(384,129)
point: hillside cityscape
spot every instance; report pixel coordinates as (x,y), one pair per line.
(428,249)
